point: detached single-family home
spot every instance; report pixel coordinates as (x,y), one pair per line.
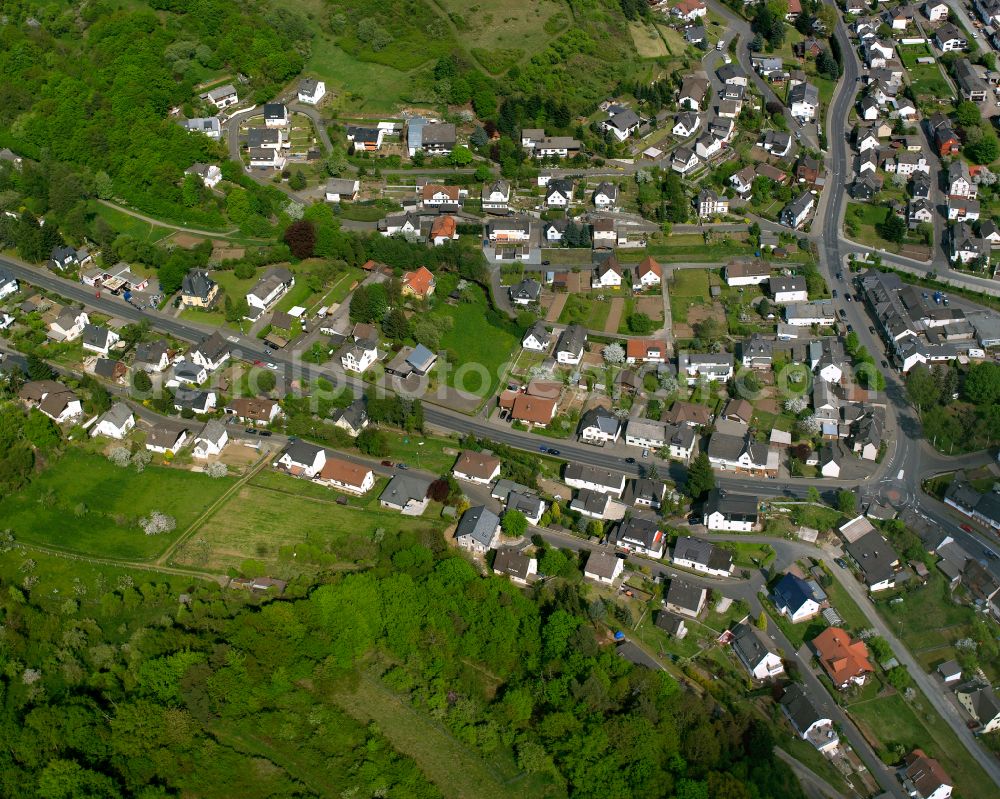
(876,559)
(526,292)
(606,196)
(212,352)
(593,478)
(114,422)
(269,289)
(710,203)
(571,344)
(731,512)
(419,283)
(948,38)
(198,290)
(640,535)
(443,230)
(357,356)
(702,556)
(923,777)
(496,196)
(603,566)
(405,493)
(339,189)
(165,439)
(209,174)
(256,411)
(346,476)
(211,440)
(686,124)
(622,124)
(695,367)
(648,275)
(302,459)
(537,338)
(692,93)
(8,283)
(195,400)
(477,467)
(478,530)
(68,325)
(520,568)
(365,139)
(982,704)
(607,274)
(685,598)
(788,288)
(755,651)
(599,426)
(797,211)
(275,115)
(683,160)
(353,419)
(311,91)
(793,597)
(267,158)
(803,101)
(844,660)
(99,339)
(434,195)
(207,126)
(223,96)
(747,273)
(810,724)
(935,10)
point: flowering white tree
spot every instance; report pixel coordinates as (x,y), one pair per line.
(614,353)
(796,404)
(157,523)
(120,456)
(294,210)
(669,383)
(217,470)
(811,425)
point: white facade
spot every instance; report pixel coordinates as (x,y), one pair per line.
(318,93)
(718,521)
(358,359)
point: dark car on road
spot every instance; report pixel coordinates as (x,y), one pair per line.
(840,562)
(630,460)
(553,452)
(843,313)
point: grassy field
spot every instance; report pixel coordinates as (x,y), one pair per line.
(894,721)
(927,618)
(583,309)
(341,287)
(692,247)
(456,770)
(647,40)
(83,503)
(688,287)
(129,225)
(474,339)
(288,531)
(854,618)
(356,86)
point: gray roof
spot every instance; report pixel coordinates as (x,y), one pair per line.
(275,111)
(96,336)
(151,351)
(786,283)
(403,488)
(703,552)
(202,124)
(197,283)
(302,451)
(421,358)
(593,502)
(308,85)
(118,414)
(637,529)
(751,644)
(193,398)
(527,289)
(602,419)
(439,133)
(985,703)
(624,120)
(799,707)
(539,332)
(804,92)
(106,367)
(572,339)
(593,474)
(478,523)
(685,595)
(163,435)
(510,561)
(213,431)
(874,556)
(602,563)
(261,136)
(732,504)
(354,414)
(213,347)
(222,91)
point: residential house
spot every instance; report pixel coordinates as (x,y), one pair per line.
(257,411)
(438,138)
(788,288)
(731,512)
(806,314)
(803,102)
(945,139)
(269,289)
(923,777)
(776,142)
(594,478)
(353,418)
(599,426)
(876,559)
(496,196)
(223,96)
(648,275)
(553,230)
(302,459)
(732,74)
(211,440)
(707,146)
(8,283)
(116,422)
(557,147)
(685,598)
(434,195)
(950,671)
(592,504)
(405,493)
(603,566)
(797,211)
(537,338)
(918,212)
(212,352)
(844,660)
(689,10)
(641,350)
(692,93)
(207,126)
(68,325)
(971,84)
(607,274)
(622,124)
(195,400)
(571,344)
(686,124)
(755,651)
(508,231)
(419,283)
(738,410)
(478,530)
(746,273)
(357,356)
(443,230)
(793,597)
(165,439)
(266,158)
(688,413)
(709,203)
(741,454)
(209,174)
(966,247)
(346,476)
(809,723)
(99,339)
(605,196)
(198,290)
(935,11)
(531,410)
(365,139)
(311,91)
(906,163)
(959,181)
(695,34)
(406,225)
(645,493)
(702,556)
(477,467)
(694,368)
(742,181)
(982,704)
(683,160)
(526,292)
(520,568)
(339,189)
(640,535)
(948,38)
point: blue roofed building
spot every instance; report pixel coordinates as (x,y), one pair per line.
(794,598)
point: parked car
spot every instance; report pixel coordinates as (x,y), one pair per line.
(885,364)
(843,313)
(834,293)
(390,464)
(850,328)
(250,431)
(871,329)
(265,433)
(840,562)
(543,448)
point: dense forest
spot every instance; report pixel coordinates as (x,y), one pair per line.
(115,688)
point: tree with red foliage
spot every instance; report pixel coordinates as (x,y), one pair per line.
(301,238)
(438,491)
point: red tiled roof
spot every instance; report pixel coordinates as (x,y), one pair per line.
(344,472)
(841,657)
(639,348)
(647,264)
(443,226)
(431,189)
(420,281)
(537,410)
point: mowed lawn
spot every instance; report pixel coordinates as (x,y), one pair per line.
(688,287)
(583,309)
(892,720)
(474,339)
(267,525)
(83,503)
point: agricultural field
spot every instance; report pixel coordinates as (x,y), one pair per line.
(105,503)
(289,529)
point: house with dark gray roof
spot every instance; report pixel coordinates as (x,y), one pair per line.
(806,720)
(99,339)
(793,597)
(640,535)
(570,347)
(755,652)
(685,598)
(876,559)
(599,426)
(478,530)
(702,556)
(406,493)
(520,568)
